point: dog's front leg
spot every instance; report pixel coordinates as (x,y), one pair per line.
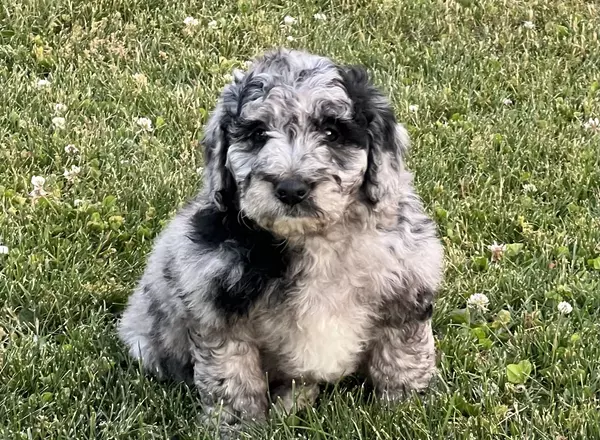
(402,359)
(228,375)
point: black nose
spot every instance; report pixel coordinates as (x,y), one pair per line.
(292,191)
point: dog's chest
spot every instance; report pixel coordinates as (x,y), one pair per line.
(322,328)
(316,337)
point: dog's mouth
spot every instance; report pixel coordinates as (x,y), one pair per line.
(306,209)
(304,218)
(290,227)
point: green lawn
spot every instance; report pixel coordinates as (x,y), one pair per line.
(502,151)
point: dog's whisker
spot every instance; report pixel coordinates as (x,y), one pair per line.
(241,218)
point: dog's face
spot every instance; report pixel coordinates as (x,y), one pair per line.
(295,153)
(297,140)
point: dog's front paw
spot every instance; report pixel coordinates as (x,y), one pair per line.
(392,396)
(293,397)
(404,384)
(397,390)
(252,409)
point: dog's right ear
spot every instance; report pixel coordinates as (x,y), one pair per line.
(218,179)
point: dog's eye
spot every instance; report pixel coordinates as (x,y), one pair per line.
(259,136)
(331,134)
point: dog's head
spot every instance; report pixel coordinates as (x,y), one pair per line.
(297,140)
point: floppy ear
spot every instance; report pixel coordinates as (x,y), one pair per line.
(387,141)
(218,180)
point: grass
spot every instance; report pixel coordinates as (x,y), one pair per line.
(525,174)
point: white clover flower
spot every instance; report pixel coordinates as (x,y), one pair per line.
(4,250)
(528,25)
(478,301)
(212,24)
(144,123)
(593,124)
(413,108)
(497,250)
(199,170)
(71,174)
(59,122)
(38,187)
(289,20)
(78,202)
(42,84)
(60,108)
(564,307)
(190,21)
(290,38)
(38,192)
(507,101)
(140,79)
(319,16)
(71,149)
(38,181)
(529,188)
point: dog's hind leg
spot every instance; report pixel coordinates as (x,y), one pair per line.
(136,330)
(156,336)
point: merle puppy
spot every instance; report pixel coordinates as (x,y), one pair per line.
(307,255)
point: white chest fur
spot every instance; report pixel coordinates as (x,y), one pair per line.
(323,340)
(323,327)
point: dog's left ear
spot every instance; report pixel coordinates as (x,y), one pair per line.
(387,140)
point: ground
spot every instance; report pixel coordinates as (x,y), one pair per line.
(500,99)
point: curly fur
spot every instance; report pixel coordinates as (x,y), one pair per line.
(243,293)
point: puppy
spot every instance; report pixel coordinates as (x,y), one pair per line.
(307,255)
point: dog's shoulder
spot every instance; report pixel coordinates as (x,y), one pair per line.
(255,260)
